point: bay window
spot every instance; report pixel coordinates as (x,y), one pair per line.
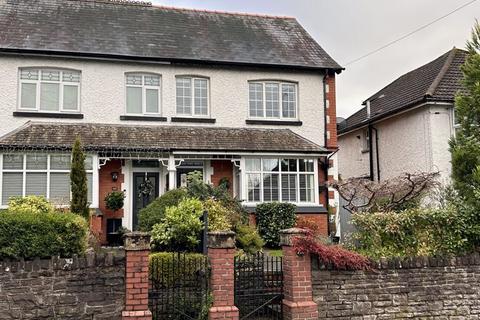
(192,96)
(274,179)
(49,90)
(40,174)
(272,100)
(142,94)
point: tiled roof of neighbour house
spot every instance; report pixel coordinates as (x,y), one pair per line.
(438,80)
(143,138)
(140,31)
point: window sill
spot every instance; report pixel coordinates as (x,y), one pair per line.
(274,122)
(193,120)
(35,114)
(142,118)
(300,209)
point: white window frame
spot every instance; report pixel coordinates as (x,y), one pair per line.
(39,82)
(298,203)
(192,98)
(365,140)
(144,93)
(48,171)
(280,99)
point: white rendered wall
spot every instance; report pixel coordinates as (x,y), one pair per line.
(413,141)
(102,98)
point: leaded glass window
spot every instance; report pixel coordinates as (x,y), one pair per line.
(142,94)
(49,90)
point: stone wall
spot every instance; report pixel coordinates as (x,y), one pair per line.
(416,289)
(89,287)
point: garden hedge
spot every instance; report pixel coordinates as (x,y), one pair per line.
(30,235)
(167,268)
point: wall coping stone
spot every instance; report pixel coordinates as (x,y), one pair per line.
(91,259)
(137,241)
(287,236)
(221,240)
(410,262)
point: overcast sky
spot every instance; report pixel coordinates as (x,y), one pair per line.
(347,29)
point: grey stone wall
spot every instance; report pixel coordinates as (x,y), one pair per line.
(418,288)
(88,287)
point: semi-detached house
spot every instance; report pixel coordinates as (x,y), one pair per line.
(157,92)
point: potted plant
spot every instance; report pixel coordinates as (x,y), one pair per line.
(114,201)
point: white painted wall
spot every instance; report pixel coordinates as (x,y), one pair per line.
(103,91)
(416,140)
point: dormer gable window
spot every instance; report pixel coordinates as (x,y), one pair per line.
(49,90)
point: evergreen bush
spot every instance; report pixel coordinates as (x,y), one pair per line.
(78,182)
(272,217)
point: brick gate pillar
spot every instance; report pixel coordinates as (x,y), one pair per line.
(137,249)
(297,280)
(221,253)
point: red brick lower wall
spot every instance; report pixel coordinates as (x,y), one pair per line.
(222,169)
(106,185)
(320,219)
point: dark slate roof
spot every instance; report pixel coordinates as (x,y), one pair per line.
(438,80)
(141,138)
(122,29)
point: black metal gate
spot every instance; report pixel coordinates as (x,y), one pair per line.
(179,287)
(259,286)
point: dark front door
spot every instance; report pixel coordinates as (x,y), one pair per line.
(145,190)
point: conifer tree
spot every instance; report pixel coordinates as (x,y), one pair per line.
(78,181)
(465,147)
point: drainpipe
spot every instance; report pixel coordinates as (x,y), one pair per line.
(377,153)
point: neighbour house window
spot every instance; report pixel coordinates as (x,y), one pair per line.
(49,90)
(39,175)
(142,93)
(456,124)
(365,140)
(274,100)
(273,179)
(192,96)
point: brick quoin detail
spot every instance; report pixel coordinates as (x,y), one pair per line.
(297,280)
(331,126)
(137,250)
(221,253)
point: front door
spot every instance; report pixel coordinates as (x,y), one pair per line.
(145,190)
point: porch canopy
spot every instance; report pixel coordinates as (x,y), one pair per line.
(115,139)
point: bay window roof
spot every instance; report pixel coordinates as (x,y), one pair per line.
(143,138)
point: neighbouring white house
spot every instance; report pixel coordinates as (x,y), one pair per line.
(157,92)
(406,126)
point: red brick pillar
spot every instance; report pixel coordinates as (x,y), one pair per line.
(221,253)
(137,249)
(297,280)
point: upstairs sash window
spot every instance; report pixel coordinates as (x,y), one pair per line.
(192,96)
(143,94)
(272,100)
(49,90)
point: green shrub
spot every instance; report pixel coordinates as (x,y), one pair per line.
(413,232)
(32,204)
(180,227)
(163,266)
(248,239)
(273,217)
(30,235)
(217,216)
(78,181)
(155,211)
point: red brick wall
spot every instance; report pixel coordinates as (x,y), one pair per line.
(106,185)
(221,169)
(321,220)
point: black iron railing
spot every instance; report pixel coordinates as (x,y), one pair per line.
(179,287)
(259,286)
